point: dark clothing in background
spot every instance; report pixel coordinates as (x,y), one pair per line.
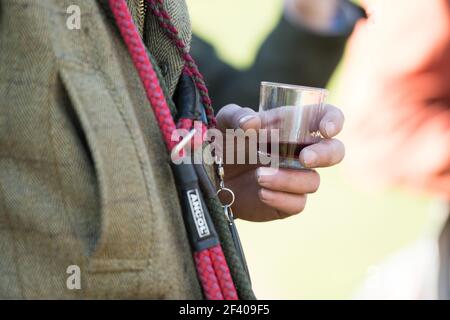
(290,54)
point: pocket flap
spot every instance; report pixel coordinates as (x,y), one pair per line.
(126,213)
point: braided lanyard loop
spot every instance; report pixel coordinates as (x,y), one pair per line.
(212,267)
(157,8)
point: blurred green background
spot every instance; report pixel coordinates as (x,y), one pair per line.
(326,252)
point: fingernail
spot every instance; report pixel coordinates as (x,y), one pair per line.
(264,194)
(330,128)
(309,157)
(263,174)
(245,119)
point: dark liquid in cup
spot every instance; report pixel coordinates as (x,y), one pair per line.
(287,149)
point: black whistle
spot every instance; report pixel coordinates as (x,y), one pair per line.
(187,99)
(200,228)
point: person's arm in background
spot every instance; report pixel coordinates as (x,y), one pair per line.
(304,49)
(396,95)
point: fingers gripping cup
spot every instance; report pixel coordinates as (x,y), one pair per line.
(295,111)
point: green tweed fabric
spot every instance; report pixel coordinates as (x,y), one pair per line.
(136,12)
(162,48)
(84,178)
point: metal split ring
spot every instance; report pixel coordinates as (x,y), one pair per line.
(221,190)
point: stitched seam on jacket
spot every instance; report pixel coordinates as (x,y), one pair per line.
(114,95)
(14,254)
(90,66)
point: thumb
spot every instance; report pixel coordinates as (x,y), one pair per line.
(233,116)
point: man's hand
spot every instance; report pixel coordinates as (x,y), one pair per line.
(261,193)
(314,14)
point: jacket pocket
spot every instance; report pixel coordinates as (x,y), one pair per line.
(125,235)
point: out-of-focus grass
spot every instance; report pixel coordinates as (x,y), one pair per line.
(325,252)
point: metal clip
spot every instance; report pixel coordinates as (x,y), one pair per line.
(223,189)
(229,214)
(180,146)
(227,207)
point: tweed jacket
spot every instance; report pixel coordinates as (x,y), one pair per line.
(84,176)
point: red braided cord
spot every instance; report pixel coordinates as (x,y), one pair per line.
(185,123)
(207,276)
(211,265)
(145,70)
(157,7)
(200,135)
(223,273)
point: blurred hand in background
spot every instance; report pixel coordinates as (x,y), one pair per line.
(396,93)
(317,15)
(304,48)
